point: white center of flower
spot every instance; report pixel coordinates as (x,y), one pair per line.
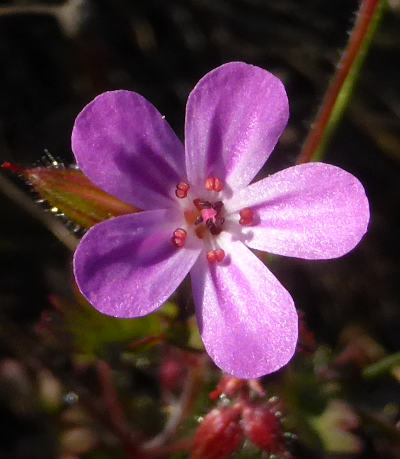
(206,217)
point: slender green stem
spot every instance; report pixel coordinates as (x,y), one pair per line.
(382,366)
(344,80)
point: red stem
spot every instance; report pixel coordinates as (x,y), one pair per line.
(365,16)
(114,408)
(181,411)
(151,339)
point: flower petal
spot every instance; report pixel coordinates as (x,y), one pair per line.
(124,145)
(128,266)
(234,117)
(247,319)
(312,211)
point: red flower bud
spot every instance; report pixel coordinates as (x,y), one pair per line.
(172,372)
(228,386)
(219,435)
(264,429)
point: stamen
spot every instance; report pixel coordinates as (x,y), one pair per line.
(214,184)
(246,216)
(215,256)
(201,204)
(218,206)
(215,225)
(218,185)
(179,237)
(182,190)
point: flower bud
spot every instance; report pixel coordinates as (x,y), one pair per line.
(172,371)
(219,435)
(69,193)
(264,429)
(228,386)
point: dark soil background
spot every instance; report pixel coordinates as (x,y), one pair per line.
(50,68)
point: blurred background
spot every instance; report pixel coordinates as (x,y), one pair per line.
(56,56)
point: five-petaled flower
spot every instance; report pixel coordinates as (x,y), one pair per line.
(201,213)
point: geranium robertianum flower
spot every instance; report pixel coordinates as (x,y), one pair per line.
(200,213)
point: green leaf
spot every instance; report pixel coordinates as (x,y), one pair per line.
(382,367)
(94,333)
(335,427)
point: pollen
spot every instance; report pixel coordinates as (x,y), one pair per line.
(246,216)
(179,237)
(182,190)
(215,256)
(214,184)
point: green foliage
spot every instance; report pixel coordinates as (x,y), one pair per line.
(334,428)
(94,333)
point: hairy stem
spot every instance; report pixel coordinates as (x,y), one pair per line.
(339,92)
(115,411)
(180,411)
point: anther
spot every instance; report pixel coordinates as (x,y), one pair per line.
(201,204)
(215,225)
(214,184)
(182,190)
(215,256)
(218,206)
(179,237)
(246,216)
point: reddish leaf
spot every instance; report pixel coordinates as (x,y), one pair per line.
(70,193)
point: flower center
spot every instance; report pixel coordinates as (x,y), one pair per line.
(206,217)
(210,214)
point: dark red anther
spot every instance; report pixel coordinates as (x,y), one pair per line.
(217,206)
(182,190)
(179,237)
(213,228)
(215,225)
(214,184)
(215,256)
(246,216)
(200,204)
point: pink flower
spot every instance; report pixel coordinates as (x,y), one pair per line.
(200,213)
